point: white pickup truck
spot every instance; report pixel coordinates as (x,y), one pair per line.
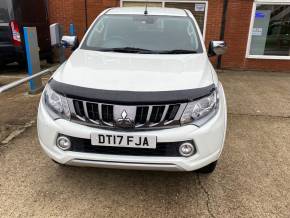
(139,92)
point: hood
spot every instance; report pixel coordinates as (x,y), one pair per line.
(135,72)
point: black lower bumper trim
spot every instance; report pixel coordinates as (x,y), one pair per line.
(168,149)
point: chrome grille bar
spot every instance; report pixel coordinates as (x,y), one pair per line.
(147,116)
(100,111)
(91,119)
(164,113)
(85,109)
(77,109)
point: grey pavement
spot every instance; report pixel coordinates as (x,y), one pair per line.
(252,178)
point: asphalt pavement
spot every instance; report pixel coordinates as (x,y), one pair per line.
(252,178)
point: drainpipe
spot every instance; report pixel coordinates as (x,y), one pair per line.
(223,27)
(86,15)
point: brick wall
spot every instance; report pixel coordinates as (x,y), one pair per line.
(213,26)
(236,33)
(214,19)
(96,7)
(73,11)
(61,12)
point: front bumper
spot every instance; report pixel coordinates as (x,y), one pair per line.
(208,139)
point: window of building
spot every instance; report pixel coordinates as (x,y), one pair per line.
(197,7)
(269,36)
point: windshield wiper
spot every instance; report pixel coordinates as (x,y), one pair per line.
(129,50)
(147,51)
(178,51)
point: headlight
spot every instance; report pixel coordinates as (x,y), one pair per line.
(200,109)
(56,103)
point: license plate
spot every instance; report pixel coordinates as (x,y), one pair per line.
(122,140)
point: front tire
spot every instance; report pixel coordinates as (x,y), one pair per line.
(208,169)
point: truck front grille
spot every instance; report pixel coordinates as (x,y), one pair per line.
(107,113)
(140,116)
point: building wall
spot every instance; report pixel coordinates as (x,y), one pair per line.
(73,11)
(236,32)
(96,7)
(236,35)
(214,21)
(61,11)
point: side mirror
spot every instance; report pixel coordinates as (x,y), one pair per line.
(217,48)
(70,42)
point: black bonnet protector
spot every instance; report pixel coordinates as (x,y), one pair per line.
(130,97)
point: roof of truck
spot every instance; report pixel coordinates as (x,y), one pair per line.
(151,11)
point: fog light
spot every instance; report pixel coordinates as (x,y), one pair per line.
(63,143)
(186,149)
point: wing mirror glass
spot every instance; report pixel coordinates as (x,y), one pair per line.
(70,42)
(217,48)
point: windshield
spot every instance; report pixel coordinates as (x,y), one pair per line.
(143,34)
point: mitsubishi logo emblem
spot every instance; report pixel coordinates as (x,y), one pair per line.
(124,114)
(124,121)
